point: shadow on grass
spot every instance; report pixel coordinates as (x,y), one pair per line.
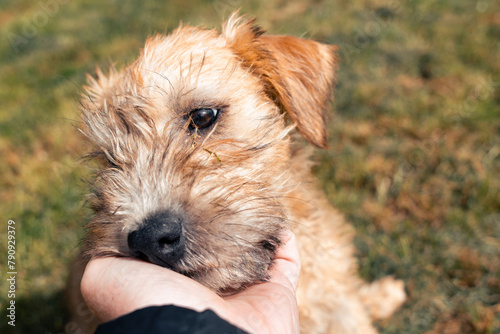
(39,313)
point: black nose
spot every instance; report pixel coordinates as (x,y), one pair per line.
(160,239)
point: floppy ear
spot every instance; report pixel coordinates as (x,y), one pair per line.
(298,73)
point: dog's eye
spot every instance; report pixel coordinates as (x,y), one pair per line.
(203,118)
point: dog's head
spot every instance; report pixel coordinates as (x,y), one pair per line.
(194,142)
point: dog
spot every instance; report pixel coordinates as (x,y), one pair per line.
(200,172)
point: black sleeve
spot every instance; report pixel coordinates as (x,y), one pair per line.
(168,319)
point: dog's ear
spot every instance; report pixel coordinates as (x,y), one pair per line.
(304,84)
(298,73)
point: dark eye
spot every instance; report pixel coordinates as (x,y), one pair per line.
(203,118)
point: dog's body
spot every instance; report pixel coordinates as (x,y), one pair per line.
(199,175)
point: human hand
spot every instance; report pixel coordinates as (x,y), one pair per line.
(113,287)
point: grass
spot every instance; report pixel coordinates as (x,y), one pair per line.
(415,141)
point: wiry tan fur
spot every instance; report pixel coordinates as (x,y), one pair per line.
(239,183)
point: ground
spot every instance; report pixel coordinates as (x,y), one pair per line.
(414,158)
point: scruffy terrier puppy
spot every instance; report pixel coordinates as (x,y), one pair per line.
(199,175)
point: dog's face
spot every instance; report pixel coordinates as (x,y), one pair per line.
(194,145)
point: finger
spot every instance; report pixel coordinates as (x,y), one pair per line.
(286,267)
(116,286)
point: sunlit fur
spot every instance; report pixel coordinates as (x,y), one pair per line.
(239,183)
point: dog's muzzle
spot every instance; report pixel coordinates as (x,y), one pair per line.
(160,239)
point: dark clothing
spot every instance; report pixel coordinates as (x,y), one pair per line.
(168,319)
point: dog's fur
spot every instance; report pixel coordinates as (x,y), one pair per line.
(234,185)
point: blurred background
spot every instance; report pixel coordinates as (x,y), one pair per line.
(414,162)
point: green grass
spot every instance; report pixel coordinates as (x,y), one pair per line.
(415,141)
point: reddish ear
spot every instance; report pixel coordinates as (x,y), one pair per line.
(298,73)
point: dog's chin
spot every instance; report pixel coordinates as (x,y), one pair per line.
(224,280)
(159,262)
(229,284)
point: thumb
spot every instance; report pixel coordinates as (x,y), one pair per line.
(286,268)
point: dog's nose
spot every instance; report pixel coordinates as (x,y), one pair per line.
(160,239)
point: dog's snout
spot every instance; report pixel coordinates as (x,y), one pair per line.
(160,239)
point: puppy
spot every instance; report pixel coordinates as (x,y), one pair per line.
(199,175)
